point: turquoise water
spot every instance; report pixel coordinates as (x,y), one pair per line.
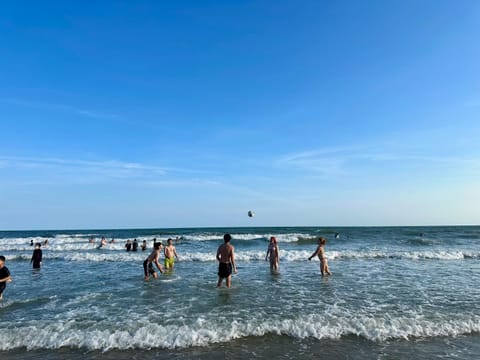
(395,292)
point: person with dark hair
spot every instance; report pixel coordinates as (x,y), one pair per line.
(226,258)
(103,243)
(152,259)
(144,245)
(135,245)
(128,245)
(37,256)
(31,242)
(273,253)
(169,252)
(320,251)
(4,276)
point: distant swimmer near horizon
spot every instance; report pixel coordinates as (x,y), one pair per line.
(103,242)
(37,257)
(128,245)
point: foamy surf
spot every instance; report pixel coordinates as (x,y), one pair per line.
(202,332)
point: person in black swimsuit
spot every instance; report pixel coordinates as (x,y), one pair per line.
(37,256)
(4,276)
(226,258)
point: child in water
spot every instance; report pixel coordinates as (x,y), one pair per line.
(320,251)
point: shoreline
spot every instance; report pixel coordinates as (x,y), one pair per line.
(279,346)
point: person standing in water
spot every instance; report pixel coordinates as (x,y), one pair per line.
(320,251)
(273,252)
(144,245)
(103,243)
(226,258)
(37,256)
(170,252)
(152,259)
(128,245)
(135,245)
(4,276)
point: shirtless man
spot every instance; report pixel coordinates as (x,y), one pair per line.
(152,259)
(169,252)
(226,257)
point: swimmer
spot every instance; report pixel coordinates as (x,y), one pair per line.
(226,258)
(135,245)
(37,257)
(273,252)
(152,259)
(144,245)
(169,252)
(103,242)
(320,251)
(128,245)
(4,276)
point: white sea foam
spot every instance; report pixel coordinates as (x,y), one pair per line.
(249,255)
(289,237)
(141,334)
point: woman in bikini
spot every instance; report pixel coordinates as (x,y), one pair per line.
(273,252)
(321,255)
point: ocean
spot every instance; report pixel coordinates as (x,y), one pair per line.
(395,293)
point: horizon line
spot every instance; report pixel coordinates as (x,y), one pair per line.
(242,227)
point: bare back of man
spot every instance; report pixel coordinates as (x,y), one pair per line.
(226,258)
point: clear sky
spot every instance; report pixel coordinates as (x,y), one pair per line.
(190,113)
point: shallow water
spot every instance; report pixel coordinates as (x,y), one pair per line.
(394,293)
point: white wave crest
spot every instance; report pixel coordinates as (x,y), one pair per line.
(289,237)
(202,332)
(250,255)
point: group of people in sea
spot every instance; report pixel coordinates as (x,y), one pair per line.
(225,257)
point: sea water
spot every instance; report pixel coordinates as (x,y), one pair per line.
(395,292)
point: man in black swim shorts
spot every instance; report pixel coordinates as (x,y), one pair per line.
(226,257)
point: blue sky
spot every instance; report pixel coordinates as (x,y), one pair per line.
(190,113)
